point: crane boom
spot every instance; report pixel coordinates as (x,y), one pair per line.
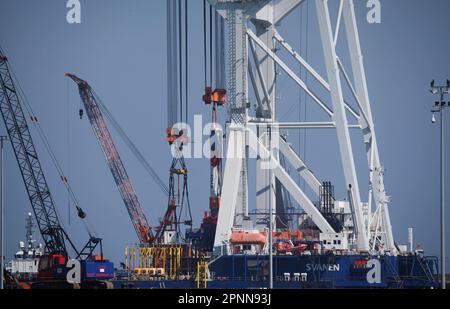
(30,167)
(113,160)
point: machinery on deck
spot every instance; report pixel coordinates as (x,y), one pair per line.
(52,265)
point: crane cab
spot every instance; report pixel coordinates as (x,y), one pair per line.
(52,266)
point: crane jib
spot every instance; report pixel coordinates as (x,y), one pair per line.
(27,159)
(113,160)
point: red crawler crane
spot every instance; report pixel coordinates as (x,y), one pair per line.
(123,182)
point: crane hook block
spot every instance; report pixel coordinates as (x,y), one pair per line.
(218,96)
(171,138)
(81,213)
(207,97)
(174,135)
(80,112)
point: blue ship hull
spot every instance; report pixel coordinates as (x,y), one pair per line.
(310,271)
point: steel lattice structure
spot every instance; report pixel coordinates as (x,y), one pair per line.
(33,176)
(371,224)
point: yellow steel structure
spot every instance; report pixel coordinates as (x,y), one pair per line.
(155,260)
(202,275)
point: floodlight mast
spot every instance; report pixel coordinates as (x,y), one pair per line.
(374,231)
(439,107)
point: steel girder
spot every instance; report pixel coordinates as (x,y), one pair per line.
(266,15)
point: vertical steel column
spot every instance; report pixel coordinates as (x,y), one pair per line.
(232,207)
(237,90)
(340,119)
(440,107)
(271,213)
(241,109)
(265,181)
(375,174)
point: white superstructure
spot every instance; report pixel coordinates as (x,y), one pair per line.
(253,59)
(26,260)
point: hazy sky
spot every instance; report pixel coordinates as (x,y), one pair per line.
(120,48)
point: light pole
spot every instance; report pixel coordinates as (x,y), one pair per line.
(2,261)
(270,212)
(439,107)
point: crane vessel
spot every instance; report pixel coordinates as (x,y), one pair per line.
(325,242)
(285,235)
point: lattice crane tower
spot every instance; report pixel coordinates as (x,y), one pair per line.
(252,59)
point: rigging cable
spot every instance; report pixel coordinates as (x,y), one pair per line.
(68,147)
(52,155)
(180,43)
(126,139)
(185,183)
(204,43)
(210,44)
(186,58)
(178,158)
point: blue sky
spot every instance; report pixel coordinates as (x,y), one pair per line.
(120,48)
